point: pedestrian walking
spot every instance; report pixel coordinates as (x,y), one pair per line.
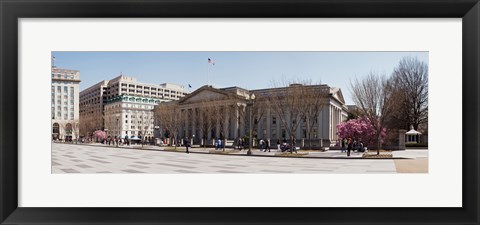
(267,145)
(344,144)
(240,144)
(185,142)
(278,145)
(349,146)
(294,147)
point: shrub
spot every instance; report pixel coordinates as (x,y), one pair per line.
(416,145)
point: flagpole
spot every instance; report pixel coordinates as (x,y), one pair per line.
(208,81)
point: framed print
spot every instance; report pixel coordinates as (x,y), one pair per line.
(239,112)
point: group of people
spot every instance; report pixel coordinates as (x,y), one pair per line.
(286,147)
(106,141)
(350,144)
(264,145)
(219,144)
(241,144)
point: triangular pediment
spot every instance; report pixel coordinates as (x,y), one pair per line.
(204,95)
(337,94)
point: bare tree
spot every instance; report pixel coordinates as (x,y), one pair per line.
(372,95)
(258,108)
(207,118)
(314,100)
(288,104)
(222,113)
(75,129)
(87,126)
(144,125)
(168,116)
(111,124)
(410,90)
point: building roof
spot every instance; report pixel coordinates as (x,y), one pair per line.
(210,93)
(337,94)
(413,132)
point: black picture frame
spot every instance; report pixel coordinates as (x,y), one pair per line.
(12,10)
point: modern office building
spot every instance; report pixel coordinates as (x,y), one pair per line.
(231,109)
(65,104)
(91,108)
(101,104)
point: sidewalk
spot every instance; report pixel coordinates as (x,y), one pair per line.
(331,154)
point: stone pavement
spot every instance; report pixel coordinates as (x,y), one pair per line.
(412,154)
(70,158)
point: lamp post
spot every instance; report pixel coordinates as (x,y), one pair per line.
(251,101)
(119,132)
(106,135)
(157,128)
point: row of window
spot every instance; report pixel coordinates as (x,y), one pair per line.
(132,92)
(64,75)
(65,90)
(62,82)
(65,102)
(58,116)
(136,106)
(133,127)
(140,117)
(134,133)
(93,93)
(140,122)
(141,87)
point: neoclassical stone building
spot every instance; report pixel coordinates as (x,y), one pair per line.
(209,113)
(64,107)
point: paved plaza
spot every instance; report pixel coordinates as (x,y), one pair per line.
(71,158)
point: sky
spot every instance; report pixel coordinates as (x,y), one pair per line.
(249,70)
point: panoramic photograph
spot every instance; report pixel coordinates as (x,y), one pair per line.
(259,112)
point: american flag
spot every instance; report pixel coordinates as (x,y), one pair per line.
(211,61)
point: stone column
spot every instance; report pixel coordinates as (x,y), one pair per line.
(319,124)
(259,127)
(202,135)
(289,121)
(243,120)
(235,122)
(279,130)
(194,124)
(181,128)
(401,139)
(186,122)
(217,125)
(226,124)
(330,122)
(299,128)
(268,125)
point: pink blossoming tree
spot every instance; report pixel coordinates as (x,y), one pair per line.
(360,129)
(100,135)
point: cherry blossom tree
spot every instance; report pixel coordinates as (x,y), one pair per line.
(100,135)
(360,129)
(372,95)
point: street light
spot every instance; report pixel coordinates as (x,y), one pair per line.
(120,133)
(251,101)
(106,135)
(157,129)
